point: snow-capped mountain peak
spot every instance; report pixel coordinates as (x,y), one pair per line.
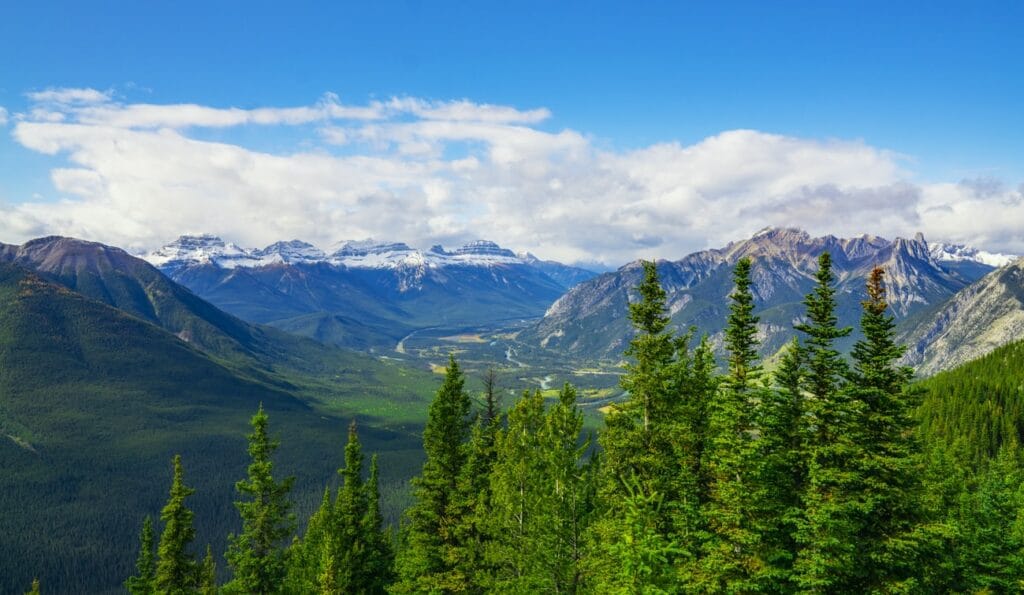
(188,249)
(368,253)
(962,253)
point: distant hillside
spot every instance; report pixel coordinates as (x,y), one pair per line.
(94,401)
(366,294)
(978,406)
(975,321)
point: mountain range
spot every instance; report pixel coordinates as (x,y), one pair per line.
(108,368)
(366,294)
(591,320)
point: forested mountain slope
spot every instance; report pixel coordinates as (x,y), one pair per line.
(94,401)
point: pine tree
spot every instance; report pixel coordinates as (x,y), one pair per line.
(732,561)
(991,518)
(827,559)
(781,470)
(543,489)
(569,491)
(638,440)
(654,442)
(349,540)
(515,483)
(305,555)
(208,574)
(890,466)
(472,508)
(426,562)
(176,569)
(825,368)
(257,554)
(145,566)
(35,588)
(380,557)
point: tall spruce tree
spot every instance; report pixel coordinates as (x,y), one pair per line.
(473,506)
(890,471)
(145,565)
(257,554)
(638,440)
(517,500)
(176,568)
(427,560)
(653,445)
(832,517)
(306,555)
(543,498)
(781,469)
(349,540)
(378,564)
(569,494)
(732,561)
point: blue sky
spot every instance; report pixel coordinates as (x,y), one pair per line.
(936,86)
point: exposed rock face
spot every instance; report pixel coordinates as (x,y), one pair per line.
(986,315)
(591,319)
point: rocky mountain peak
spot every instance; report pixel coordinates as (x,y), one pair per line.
(485,248)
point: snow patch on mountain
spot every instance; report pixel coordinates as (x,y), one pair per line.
(961,253)
(369,253)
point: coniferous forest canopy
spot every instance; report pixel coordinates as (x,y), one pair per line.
(823,474)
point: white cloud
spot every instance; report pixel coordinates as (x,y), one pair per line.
(3,116)
(427,172)
(67,96)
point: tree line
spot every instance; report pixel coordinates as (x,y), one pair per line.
(817,477)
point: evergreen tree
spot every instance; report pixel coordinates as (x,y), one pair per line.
(654,443)
(643,554)
(639,437)
(543,498)
(427,560)
(827,559)
(781,469)
(145,566)
(732,562)
(890,466)
(991,519)
(349,542)
(35,588)
(568,500)
(176,569)
(380,557)
(305,556)
(257,554)
(516,487)
(472,509)
(208,574)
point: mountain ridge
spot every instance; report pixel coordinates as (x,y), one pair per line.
(590,319)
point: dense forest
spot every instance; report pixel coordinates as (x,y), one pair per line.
(826,474)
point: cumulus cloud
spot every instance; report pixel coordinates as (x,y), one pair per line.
(426,172)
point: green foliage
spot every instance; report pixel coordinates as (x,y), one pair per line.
(145,566)
(208,574)
(346,548)
(427,560)
(91,396)
(176,567)
(732,557)
(543,498)
(34,590)
(257,555)
(780,468)
(642,552)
